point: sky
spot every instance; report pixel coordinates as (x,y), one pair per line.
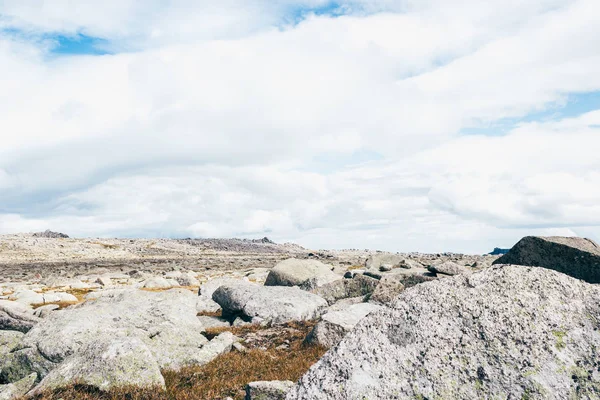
(397,125)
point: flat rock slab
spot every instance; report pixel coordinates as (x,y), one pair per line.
(268,304)
(505,332)
(577,257)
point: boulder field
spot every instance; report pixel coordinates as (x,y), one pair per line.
(396,326)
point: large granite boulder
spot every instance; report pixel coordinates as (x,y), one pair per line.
(16,317)
(107,362)
(509,332)
(578,257)
(205,303)
(268,304)
(165,322)
(294,272)
(336,324)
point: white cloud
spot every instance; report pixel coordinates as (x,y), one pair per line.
(210,129)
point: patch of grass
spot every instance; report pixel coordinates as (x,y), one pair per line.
(107,245)
(210,313)
(353,267)
(227,375)
(60,304)
(79,293)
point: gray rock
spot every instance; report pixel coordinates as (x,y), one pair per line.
(205,302)
(206,305)
(360,285)
(449,268)
(27,297)
(16,317)
(19,364)
(577,257)
(268,390)
(213,322)
(268,304)
(9,340)
(59,297)
(387,290)
(164,321)
(187,280)
(157,283)
(44,311)
(294,272)
(353,272)
(105,363)
(17,389)
(104,281)
(336,324)
(375,261)
(505,332)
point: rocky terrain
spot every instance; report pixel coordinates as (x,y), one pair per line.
(230,318)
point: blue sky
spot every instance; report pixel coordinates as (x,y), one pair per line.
(330,124)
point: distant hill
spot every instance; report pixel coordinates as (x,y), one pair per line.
(498,251)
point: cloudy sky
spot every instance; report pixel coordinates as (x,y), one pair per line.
(428,125)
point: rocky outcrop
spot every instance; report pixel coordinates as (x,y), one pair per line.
(294,272)
(577,257)
(16,317)
(268,390)
(336,324)
(268,304)
(505,332)
(48,234)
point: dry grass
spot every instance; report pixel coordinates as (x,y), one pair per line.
(191,288)
(353,267)
(60,304)
(79,293)
(210,333)
(227,375)
(210,313)
(107,245)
